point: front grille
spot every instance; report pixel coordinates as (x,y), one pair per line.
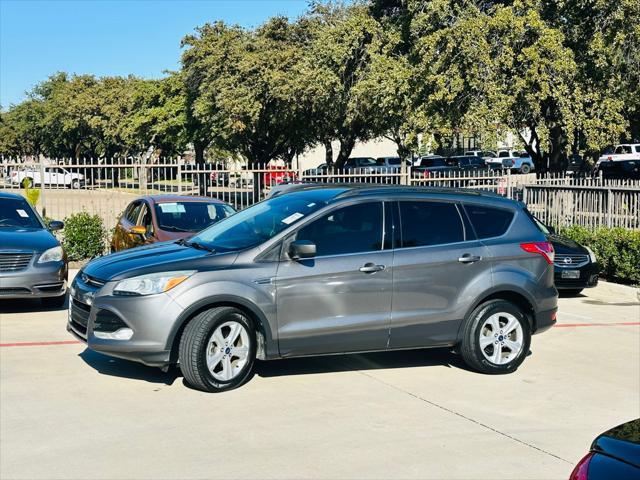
(14,262)
(79,316)
(571,260)
(93,281)
(53,287)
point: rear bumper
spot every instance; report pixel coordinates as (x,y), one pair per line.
(35,282)
(545,320)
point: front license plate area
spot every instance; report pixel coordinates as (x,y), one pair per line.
(570,274)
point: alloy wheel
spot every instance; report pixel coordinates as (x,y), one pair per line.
(227,351)
(501,338)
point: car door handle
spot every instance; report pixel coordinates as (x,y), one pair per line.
(371,268)
(468,258)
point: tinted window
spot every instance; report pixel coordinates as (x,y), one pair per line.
(638,148)
(353,229)
(189,216)
(487,221)
(623,149)
(430,223)
(17,213)
(433,162)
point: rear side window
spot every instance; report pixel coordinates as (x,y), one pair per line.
(487,221)
(430,223)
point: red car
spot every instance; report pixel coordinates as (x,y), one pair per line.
(159,218)
(278,174)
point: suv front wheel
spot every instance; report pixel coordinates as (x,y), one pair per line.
(217,349)
(496,337)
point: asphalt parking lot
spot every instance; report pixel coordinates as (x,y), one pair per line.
(66,412)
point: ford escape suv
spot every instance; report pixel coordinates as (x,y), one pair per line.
(323,270)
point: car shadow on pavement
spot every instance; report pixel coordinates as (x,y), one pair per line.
(363,361)
(117,367)
(29,305)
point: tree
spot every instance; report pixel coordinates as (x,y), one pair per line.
(244,89)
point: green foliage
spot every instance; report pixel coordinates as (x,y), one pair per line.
(617,250)
(31,194)
(560,75)
(84,236)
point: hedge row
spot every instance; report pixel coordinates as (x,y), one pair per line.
(84,236)
(617,250)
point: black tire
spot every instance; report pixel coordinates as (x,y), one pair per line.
(570,292)
(193,345)
(75,184)
(525,168)
(54,302)
(470,345)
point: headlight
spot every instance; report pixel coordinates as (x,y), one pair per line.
(592,256)
(52,255)
(152,283)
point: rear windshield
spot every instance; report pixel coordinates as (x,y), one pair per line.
(17,213)
(488,221)
(190,216)
(433,162)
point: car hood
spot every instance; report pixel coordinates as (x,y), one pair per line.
(565,245)
(29,239)
(158,257)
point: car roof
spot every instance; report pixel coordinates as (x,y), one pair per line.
(178,198)
(14,196)
(346,190)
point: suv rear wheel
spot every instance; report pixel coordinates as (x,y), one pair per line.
(217,350)
(496,337)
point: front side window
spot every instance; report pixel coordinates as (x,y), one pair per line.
(190,216)
(430,223)
(353,229)
(17,213)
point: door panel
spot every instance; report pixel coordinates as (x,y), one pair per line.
(434,269)
(327,305)
(339,301)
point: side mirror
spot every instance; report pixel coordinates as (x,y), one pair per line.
(302,249)
(138,230)
(56,225)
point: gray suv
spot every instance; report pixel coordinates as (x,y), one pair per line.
(323,270)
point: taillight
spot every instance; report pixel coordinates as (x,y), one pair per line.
(426,174)
(582,468)
(13,174)
(541,248)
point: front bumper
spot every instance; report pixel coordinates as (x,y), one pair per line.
(151,319)
(588,277)
(36,281)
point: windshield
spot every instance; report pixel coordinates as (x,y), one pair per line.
(190,216)
(17,213)
(262,221)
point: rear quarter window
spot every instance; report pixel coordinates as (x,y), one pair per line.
(488,221)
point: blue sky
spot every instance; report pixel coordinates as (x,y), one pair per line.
(109,37)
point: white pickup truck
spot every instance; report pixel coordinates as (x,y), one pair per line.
(522,162)
(53,176)
(625,151)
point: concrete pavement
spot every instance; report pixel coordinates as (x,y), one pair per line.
(66,412)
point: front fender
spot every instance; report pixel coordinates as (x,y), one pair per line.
(260,301)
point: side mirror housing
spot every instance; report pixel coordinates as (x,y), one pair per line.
(56,225)
(138,230)
(300,249)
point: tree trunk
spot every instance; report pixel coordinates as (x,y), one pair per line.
(328,152)
(346,147)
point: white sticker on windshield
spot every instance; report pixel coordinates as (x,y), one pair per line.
(22,213)
(172,208)
(292,218)
(311,204)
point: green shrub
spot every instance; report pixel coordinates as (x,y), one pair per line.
(84,236)
(617,250)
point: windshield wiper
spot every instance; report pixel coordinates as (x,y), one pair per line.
(196,245)
(171,228)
